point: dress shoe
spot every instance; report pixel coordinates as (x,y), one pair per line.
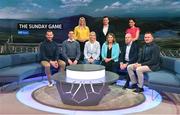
(133,86)
(138,90)
(126,85)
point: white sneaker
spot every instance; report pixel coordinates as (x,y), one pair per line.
(50,84)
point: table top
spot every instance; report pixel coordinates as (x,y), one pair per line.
(85,67)
(110,77)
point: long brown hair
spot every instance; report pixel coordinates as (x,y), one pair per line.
(111,34)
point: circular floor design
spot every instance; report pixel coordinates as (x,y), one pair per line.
(116,99)
(24,95)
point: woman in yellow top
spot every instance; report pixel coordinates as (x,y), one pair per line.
(82,33)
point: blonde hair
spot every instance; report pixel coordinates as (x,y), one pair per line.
(84,20)
(114,39)
(92,32)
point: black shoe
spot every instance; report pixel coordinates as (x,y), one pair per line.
(133,86)
(138,90)
(126,85)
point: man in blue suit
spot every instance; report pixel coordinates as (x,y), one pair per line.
(128,56)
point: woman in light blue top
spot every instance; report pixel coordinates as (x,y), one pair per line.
(110,53)
(92,50)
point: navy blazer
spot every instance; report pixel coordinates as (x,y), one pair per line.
(133,54)
(150,56)
(101,38)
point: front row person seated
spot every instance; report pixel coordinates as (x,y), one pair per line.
(49,53)
(128,56)
(147,61)
(110,53)
(92,50)
(71,50)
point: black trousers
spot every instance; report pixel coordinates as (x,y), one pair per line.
(110,66)
(82,44)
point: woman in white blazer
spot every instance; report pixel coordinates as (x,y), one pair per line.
(92,50)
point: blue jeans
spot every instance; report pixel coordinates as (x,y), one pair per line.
(94,62)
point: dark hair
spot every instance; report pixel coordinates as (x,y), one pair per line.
(105,17)
(133,19)
(148,33)
(49,31)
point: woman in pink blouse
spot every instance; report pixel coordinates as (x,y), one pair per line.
(133,30)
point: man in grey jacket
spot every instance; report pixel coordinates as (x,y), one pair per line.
(71,50)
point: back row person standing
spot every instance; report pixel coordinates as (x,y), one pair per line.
(104,30)
(133,30)
(81,34)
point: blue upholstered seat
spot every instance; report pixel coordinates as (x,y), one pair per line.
(164,77)
(20,72)
(15,67)
(168,78)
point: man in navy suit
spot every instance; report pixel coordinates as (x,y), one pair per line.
(148,60)
(104,30)
(128,56)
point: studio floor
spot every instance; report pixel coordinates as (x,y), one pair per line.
(9,104)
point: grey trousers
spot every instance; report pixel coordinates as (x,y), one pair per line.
(139,71)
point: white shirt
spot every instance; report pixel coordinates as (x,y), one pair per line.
(128,47)
(105,29)
(69,40)
(92,44)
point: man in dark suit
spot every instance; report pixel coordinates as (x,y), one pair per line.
(103,31)
(128,56)
(147,61)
